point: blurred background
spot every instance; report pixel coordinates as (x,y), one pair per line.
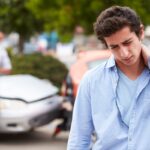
(48,45)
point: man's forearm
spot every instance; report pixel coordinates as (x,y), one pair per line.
(5,71)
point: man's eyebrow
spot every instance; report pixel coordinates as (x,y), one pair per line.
(115,45)
(128,40)
(112,45)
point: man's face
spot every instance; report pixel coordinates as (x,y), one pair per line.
(125,46)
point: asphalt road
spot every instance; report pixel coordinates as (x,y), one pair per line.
(40,139)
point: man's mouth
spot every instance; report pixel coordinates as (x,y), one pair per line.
(128,59)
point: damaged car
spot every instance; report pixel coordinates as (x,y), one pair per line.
(27,102)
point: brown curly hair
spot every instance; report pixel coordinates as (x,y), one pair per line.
(115,18)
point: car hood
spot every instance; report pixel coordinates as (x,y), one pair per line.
(25,87)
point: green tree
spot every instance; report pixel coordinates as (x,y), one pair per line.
(28,16)
(55,14)
(64,15)
(142,7)
(15,16)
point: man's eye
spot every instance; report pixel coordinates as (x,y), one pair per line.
(113,47)
(127,43)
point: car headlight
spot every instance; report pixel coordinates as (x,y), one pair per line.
(11,104)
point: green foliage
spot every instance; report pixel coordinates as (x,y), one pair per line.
(29,16)
(64,15)
(15,16)
(46,67)
(142,7)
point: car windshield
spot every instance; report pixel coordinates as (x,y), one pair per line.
(95,63)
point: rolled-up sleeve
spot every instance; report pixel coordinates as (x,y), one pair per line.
(82,124)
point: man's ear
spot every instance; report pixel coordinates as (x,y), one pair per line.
(141,34)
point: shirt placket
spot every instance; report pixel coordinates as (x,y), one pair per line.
(133,114)
(115,79)
(131,129)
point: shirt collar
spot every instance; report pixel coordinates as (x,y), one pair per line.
(111,62)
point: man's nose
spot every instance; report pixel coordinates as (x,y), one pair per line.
(124,52)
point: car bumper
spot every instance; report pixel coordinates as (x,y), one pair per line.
(33,115)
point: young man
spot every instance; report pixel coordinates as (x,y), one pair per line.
(113,100)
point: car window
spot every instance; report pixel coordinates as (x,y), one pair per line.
(95,63)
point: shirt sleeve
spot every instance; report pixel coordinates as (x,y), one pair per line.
(4,60)
(82,124)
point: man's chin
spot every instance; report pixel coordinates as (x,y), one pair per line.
(125,63)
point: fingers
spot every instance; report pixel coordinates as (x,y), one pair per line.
(145,54)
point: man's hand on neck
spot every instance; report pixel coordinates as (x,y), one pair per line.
(145,54)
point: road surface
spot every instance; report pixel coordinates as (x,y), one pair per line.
(40,139)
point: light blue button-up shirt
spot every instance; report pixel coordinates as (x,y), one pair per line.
(96,110)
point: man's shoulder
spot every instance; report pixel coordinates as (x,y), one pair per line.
(96,72)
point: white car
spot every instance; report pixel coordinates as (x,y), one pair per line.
(27,102)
